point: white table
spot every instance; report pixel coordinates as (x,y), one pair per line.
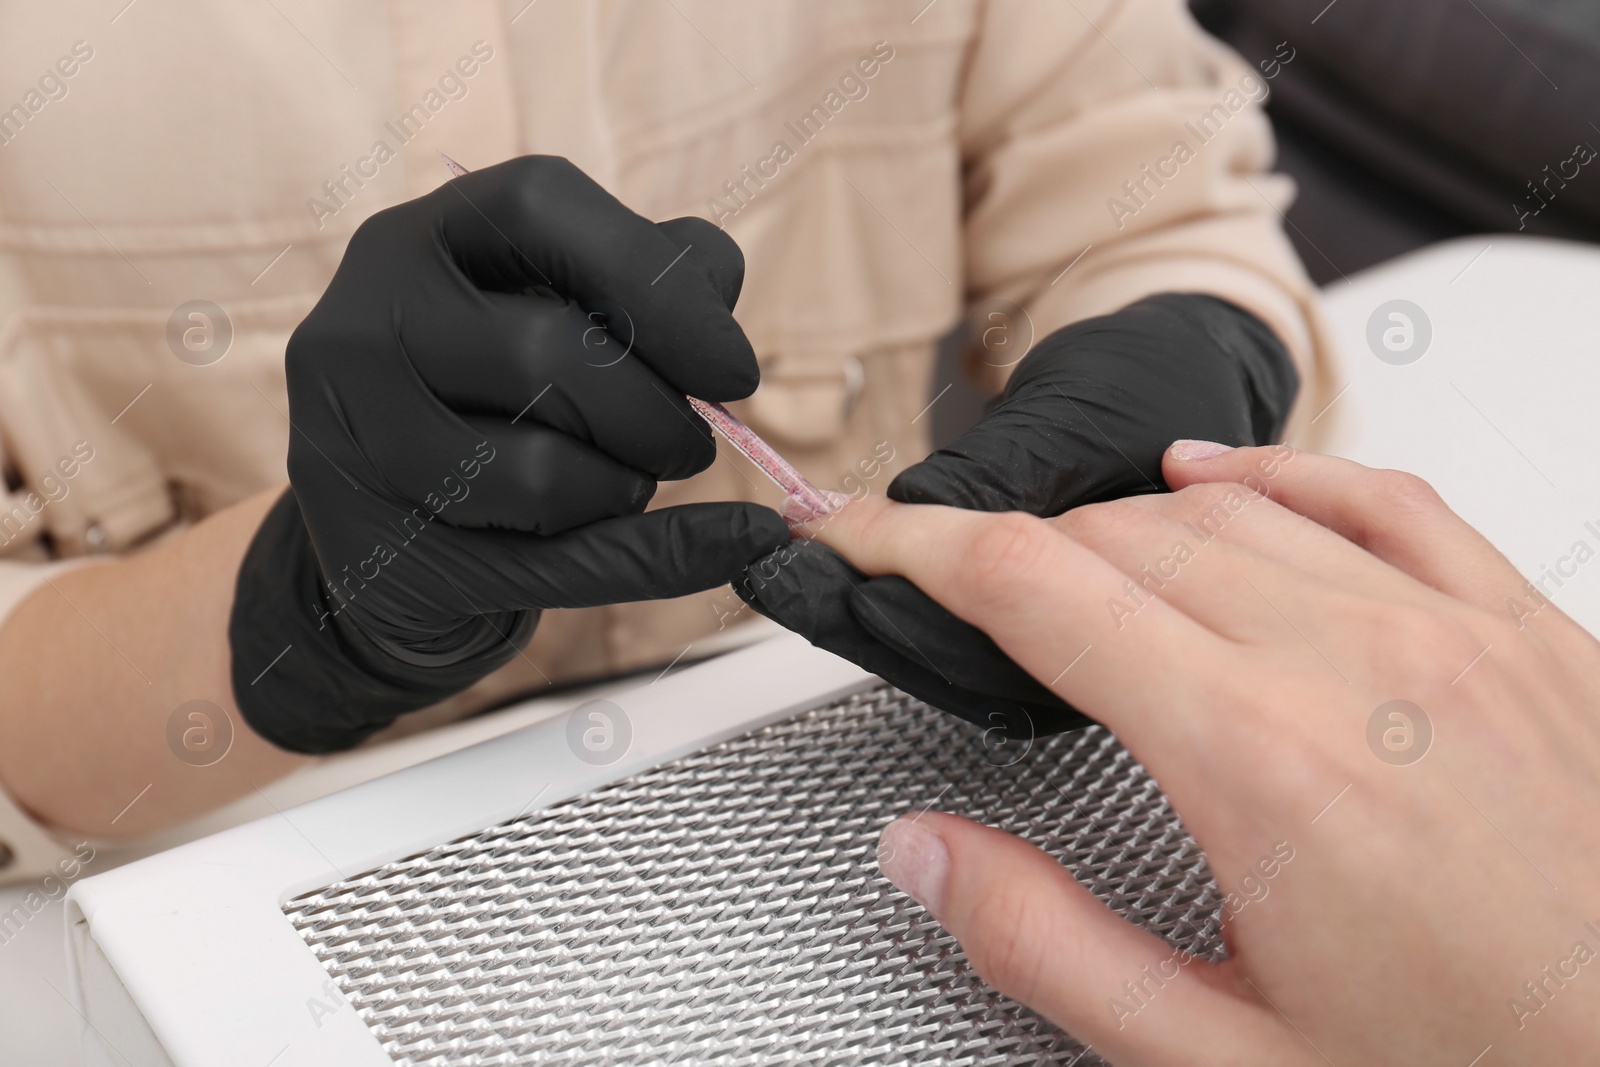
(1500,412)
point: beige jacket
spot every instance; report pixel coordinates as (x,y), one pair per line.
(884,165)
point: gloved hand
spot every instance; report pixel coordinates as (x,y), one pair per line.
(481,404)
(1085,417)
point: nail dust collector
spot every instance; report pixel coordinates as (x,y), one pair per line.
(711,894)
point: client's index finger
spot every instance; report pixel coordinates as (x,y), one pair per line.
(1045,599)
(540,221)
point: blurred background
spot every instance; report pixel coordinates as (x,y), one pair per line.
(1409,123)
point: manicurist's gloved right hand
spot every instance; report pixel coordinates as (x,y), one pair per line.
(482,404)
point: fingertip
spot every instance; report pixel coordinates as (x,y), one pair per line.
(708,258)
(698,453)
(784,582)
(644,487)
(947,863)
(1191,451)
(755,532)
(914,856)
(911,486)
(1188,462)
(845,529)
(742,377)
(717,363)
(767,530)
(801,512)
(950,478)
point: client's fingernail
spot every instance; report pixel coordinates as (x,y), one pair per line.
(915,859)
(1189,451)
(796,512)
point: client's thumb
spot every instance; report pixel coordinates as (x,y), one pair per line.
(1038,936)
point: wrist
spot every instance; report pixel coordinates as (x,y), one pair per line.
(309,678)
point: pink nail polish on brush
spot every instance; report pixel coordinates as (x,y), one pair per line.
(805,502)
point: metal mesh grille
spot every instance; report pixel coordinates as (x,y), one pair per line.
(728,907)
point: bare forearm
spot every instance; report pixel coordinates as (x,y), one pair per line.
(98,661)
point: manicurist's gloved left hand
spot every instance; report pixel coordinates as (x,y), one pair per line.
(1085,417)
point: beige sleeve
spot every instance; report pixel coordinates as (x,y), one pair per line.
(1113,150)
(27,849)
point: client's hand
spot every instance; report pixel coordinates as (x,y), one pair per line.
(1385,740)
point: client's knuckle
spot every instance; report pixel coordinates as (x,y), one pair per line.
(1210,505)
(1005,938)
(1095,523)
(1437,644)
(1002,551)
(1403,491)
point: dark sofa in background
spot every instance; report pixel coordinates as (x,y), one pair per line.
(1408,122)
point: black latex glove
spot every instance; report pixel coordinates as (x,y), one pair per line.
(1085,417)
(482,403)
